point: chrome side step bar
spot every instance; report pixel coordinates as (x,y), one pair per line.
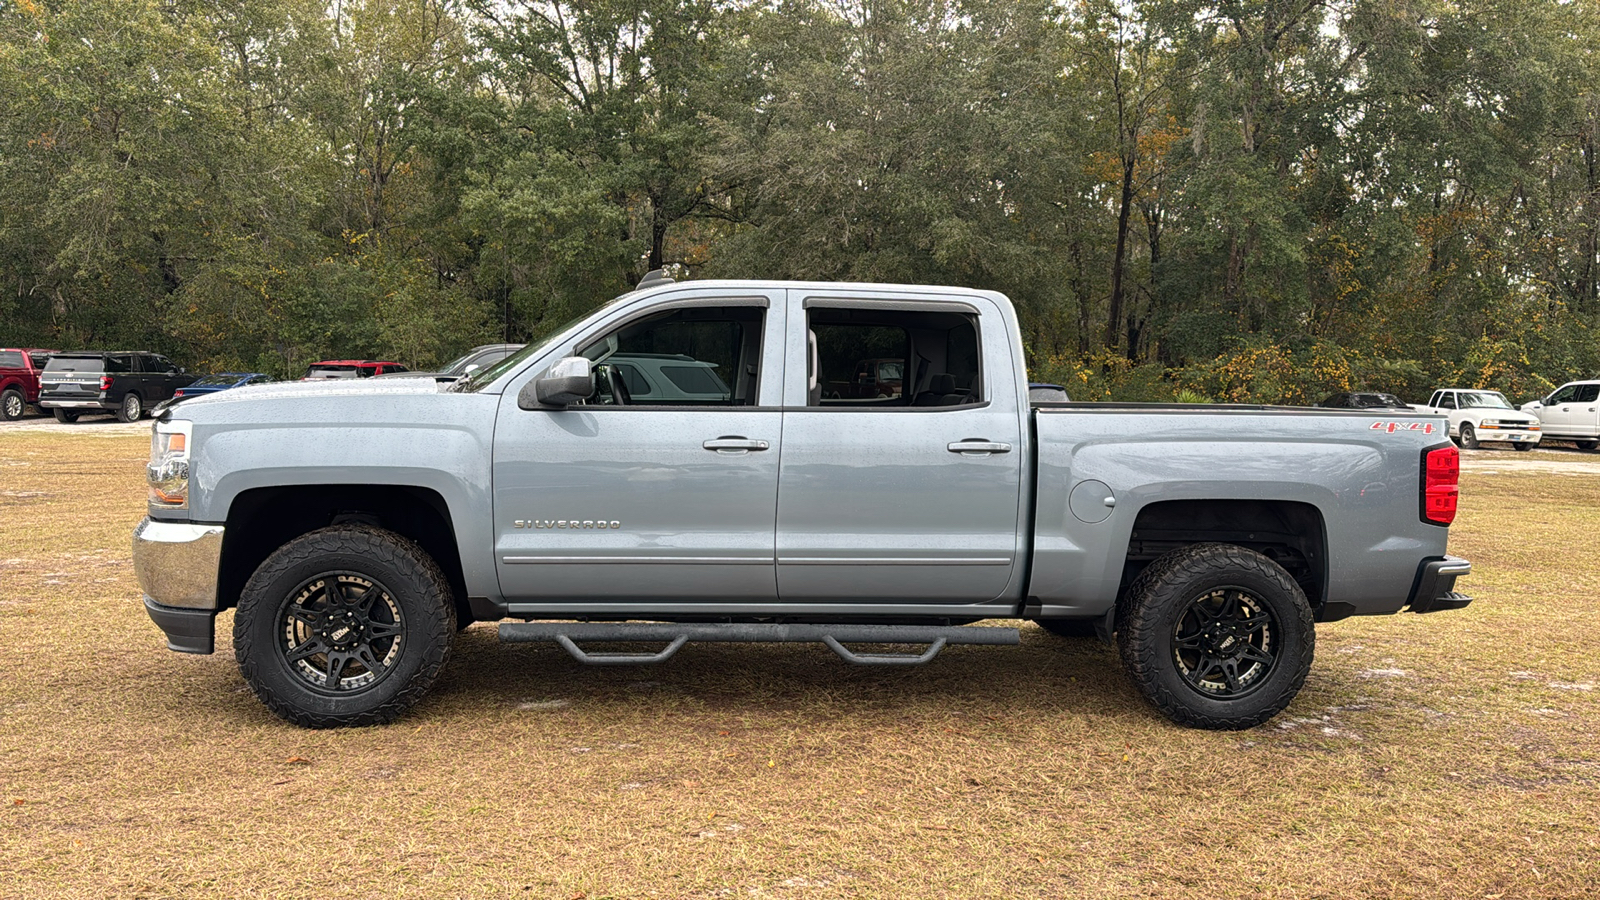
(937,637)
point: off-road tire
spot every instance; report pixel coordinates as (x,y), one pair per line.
(1154,609)
(1068,628)
(12,404)
(66,416)
(412,582)
(131,409)
(1469,437)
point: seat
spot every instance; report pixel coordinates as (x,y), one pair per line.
(939,387)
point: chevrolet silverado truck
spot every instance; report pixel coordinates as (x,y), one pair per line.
(355,527)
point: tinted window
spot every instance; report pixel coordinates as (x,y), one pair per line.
(1564,395)
(1587,393)
(75,364)
(39,359)
(695,380)
(892,358)
(214,380)
(120,364)
(331,372)
(633,380)
(10,359)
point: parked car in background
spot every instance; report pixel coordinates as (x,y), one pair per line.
(210,384)
(19,379)
(350,368)
(1039,392)
(473,360)
(1363,400)
(124,382)
(1476,416)
(1570,412)
(645,379)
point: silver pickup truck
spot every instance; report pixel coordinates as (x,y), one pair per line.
(355,527)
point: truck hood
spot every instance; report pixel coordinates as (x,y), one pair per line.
(313,391)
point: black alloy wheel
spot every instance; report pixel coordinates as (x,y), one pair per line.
(340,632)
(12,405)
(1224,644)
(65,416)
(346,625)
(131,409)
(1216,636)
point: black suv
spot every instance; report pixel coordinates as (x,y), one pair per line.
(124,382)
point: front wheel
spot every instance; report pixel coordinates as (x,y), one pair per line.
(131,409)
(1523,446)
(12,405)
(65,416)
(1469,437)
(348,625)
(1216,636)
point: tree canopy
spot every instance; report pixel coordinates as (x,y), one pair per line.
(1242,199)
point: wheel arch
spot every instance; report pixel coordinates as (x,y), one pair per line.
(261,520)
(1291,533)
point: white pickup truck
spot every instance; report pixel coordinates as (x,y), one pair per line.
(1571,413)
(1477,415)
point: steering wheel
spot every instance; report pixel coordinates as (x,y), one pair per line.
(613,389)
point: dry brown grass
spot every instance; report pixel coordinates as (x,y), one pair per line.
(1440,756)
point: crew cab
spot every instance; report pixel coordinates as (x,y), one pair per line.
(354,527)
(125,382)
(19,379)
(1477,416)
(1570,412)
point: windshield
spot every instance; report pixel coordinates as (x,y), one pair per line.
(540,340)
(454,366)
(1488,399)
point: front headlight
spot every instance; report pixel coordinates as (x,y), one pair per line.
(168,471)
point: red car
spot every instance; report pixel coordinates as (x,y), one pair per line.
(19,380)
(350,368)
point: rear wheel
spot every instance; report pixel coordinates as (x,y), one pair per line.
(12,404)
(348,625)
(131,409)
(1216,636)
(66,416)
(1469,437)
(1587,445)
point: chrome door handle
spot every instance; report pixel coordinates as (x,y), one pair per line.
(976,447)
(731,444)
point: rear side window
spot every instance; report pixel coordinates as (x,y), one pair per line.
(633,379)
(10,359)
(1587,393)
(893,358)
(119,364)
(40,359)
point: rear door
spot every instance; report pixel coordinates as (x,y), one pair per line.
(906,500)
(1585,421)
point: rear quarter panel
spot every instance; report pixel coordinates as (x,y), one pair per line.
(1364,481)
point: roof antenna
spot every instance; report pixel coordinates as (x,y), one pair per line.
(654,278)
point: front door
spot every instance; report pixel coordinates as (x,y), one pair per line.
(911,499)
(667,496)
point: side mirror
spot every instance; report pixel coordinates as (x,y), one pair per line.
(470,369)
(568,381)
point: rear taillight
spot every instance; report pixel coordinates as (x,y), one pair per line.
(1441,473)
(105,382)
(177,393)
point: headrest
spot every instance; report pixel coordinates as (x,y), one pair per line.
(943,384)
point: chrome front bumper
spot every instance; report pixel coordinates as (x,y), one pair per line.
(177,563)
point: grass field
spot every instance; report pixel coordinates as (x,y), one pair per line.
(1444,756)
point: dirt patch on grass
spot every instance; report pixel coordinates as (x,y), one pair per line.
(1447,755)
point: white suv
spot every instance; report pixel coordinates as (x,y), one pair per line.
(1476,416)
(1571,412)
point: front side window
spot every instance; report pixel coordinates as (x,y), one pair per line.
(701,356)
(1565,395)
